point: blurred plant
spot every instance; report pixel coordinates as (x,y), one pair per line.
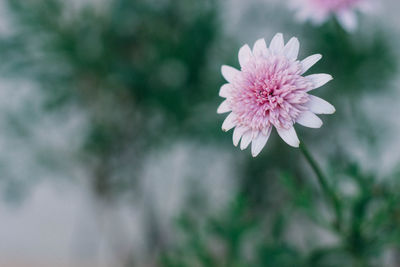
(139,71)
(240,237)
(319,11)
(133,67)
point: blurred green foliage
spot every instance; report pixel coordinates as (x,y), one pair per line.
(239,236)
(138,69)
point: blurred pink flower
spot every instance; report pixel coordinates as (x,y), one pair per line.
(270,91)
(318,11)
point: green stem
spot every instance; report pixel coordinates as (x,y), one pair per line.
(324,184)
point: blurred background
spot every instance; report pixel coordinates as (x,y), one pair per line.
(112,152)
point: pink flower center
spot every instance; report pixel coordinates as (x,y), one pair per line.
(270,91)
(265,91)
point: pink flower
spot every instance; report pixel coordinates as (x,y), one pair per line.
(269,91)
(318,11)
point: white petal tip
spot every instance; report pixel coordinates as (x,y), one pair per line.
(225,90)
(310,61)
(329,77)
(220,111)
(277,44)
(320,106)
(291,50)
(246,140)
(259,142)
(295,144)
(237,135)
(309,119)
(229,122)
(289,136)
(260,48)
(331,111)
(319,79)
(223,107)
(255,153)
(245,54)
(229,73)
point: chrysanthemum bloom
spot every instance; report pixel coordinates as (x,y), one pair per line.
(270,91)
(318,11)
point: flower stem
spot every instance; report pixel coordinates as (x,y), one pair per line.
(324,185)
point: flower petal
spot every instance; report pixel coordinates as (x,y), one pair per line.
(260,48)
(309,119)
(276,44)
(224,107)
(244,55)
(291,49)
(246,139)
(237,134)
(348,20)
(289,136)
(320,106)
(225,90)
(229,122)
(308,62)
(319,80)
(229,73)
(258,144)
